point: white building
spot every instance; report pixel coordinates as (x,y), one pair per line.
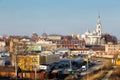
(94,37)
(2,43)
(46,45)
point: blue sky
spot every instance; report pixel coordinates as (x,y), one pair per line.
(23,17)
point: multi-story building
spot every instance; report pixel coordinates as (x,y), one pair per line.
(54,37)
(112,49)
(46,45)
(28,62)
(70,44)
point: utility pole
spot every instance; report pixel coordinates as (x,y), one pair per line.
(35,73)
(16,61)
(87,65)
(16,65)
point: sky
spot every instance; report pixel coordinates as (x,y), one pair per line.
(65,17)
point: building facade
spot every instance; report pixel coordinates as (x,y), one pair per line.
(94,37)
(71,44)
(111,49)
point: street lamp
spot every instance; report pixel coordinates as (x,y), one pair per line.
(70,65)
(71,70)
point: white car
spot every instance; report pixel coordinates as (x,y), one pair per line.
(83,68)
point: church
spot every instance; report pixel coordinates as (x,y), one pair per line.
(94,37)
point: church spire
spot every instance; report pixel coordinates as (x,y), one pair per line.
(99,22)
(98,28)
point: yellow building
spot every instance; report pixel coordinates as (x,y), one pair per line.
(28,62)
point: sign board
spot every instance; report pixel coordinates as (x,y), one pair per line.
(43,67)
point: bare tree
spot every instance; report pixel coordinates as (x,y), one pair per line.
(109,38)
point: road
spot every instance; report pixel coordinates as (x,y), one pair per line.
(108,75)
(98,65)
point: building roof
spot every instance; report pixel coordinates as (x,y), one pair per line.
(61,49)
(34,48)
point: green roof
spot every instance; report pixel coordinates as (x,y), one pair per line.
(34,48)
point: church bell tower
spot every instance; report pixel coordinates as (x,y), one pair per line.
(98,29)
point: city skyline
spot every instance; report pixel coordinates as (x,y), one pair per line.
(58,17)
